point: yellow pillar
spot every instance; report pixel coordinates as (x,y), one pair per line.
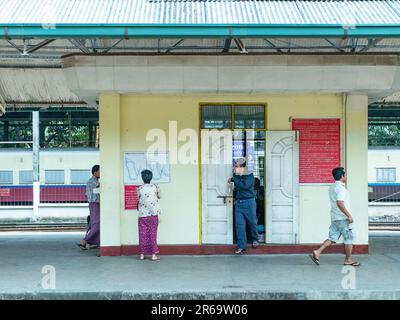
(110,171)
(357,162)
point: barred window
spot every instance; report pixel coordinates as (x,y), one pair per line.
(80,176)
(6,177)
(54,176)
(386,174)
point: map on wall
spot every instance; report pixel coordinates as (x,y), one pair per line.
(136,162)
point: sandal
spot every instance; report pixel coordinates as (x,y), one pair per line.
(141,257)
(354,264)
(80,245)
(239,251)
(155,258)
(314,259)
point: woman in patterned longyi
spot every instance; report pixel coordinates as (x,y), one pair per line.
(149,210)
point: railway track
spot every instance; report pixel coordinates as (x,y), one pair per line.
(389,226)
(44,227)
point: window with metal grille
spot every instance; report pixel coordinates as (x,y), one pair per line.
(386,174)
(233,116)
(216,116)
(54,176)
(249,117)
(80,176)
(26,177)
(6,177)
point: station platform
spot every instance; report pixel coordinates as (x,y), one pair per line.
(26,257)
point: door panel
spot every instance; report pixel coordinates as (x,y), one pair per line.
(282,187)
(217,215)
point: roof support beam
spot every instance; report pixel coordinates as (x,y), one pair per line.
(334,45)
(39,45)
(371,43)
(80,44)
(240,46)
(14,46)
(26,31)
(227,45)
(174,46)
(113,46)
(272,45)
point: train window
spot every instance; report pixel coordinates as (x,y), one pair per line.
(385,174)
(54,176)
(6,177)
(26,177)
(80,176)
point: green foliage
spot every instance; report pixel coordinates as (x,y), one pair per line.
(384,134)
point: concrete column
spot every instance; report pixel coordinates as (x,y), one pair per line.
(357,162)
(110,173)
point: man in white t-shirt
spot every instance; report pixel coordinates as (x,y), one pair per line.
(341,219)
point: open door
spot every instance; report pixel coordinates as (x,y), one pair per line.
(217,204)
(282,180)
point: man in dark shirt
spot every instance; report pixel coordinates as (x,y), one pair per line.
(245,205)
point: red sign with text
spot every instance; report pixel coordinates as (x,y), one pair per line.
(131,197)
(4,192)
(319,143)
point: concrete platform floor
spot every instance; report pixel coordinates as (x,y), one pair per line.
(84,275)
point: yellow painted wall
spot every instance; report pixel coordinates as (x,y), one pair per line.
(180,203)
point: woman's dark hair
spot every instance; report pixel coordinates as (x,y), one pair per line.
(95,168)
(338,173)
(147,175)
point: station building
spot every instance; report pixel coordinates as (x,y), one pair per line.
(295,115)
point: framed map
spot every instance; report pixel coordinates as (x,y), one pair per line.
(136,162)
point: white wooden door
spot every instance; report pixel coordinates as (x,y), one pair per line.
(282,177)
(217,204)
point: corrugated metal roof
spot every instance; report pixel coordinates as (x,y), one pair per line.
(199,12)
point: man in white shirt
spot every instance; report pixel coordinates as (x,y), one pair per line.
(341,219)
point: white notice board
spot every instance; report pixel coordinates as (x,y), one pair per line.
(136,162)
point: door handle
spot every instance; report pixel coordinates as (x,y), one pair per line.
(224,197)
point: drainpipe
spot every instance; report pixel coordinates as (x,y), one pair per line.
(36,175)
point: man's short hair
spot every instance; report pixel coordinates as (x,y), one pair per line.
(95,168)
(338,173)
(147,175)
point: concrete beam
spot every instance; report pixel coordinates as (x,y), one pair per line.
(89,76)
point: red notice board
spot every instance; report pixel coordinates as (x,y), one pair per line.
(131,197)
(319,144)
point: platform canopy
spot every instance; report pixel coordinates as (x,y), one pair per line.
(62,26)
(39,33)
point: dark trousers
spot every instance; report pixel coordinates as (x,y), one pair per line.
(245,212)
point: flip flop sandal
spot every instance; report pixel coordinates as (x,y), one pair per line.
(314,259)
(354,264)
(81,246)
(239,251)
